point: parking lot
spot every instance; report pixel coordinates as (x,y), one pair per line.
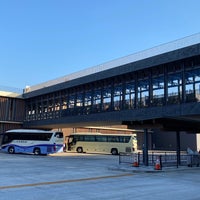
(90,176)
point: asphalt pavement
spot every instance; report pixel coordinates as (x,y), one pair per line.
(91,176)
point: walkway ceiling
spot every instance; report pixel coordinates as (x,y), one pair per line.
(191,125)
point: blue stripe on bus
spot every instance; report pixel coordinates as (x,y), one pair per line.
(45,148)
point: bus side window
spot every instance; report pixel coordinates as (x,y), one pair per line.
(113,139)
(127,139)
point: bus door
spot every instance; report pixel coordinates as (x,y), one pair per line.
(69,141)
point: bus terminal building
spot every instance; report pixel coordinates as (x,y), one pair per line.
(157,89)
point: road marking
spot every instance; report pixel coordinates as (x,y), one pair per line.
(62,181)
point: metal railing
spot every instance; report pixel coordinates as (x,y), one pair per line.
(165,159)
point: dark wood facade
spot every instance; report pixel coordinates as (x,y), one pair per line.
(11,113)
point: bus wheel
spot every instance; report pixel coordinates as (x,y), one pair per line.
(36,151)
(11,150)
(79,149)
(114,151)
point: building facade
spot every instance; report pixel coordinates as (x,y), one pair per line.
(11,111)
(159,87)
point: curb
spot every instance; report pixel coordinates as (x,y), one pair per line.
(147,169)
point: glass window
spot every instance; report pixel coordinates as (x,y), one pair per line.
(158,91)
(143,93)
(59,135)
(88,97)
(89,138)
(97,101)
(192,85)
(118,97)
(174,88)
(72,101)
(189,86)
(107,99)
(79,100)
(78,138)
(124,139)
(87,102)
(129,95)
(113,138)
(101,138)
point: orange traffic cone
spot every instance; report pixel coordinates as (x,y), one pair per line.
(135,163)
(157,165)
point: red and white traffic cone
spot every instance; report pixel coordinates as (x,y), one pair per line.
(135,163)
(157,165)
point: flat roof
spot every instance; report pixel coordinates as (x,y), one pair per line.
(158,50)
(10,94)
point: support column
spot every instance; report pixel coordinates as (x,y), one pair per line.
(178,148)
(145,148)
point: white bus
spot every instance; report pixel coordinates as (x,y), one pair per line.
(31,141)
(101,143)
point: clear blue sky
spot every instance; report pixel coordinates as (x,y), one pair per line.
(41,40)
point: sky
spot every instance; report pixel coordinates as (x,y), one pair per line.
(41,40)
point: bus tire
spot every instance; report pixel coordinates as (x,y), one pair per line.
(11,150)
(37,151)
(79,150)
(114,151)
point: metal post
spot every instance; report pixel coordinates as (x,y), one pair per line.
(178,148)
(160,159)
(139,158)
(145,148)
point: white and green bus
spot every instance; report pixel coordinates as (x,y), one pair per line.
(101,143)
